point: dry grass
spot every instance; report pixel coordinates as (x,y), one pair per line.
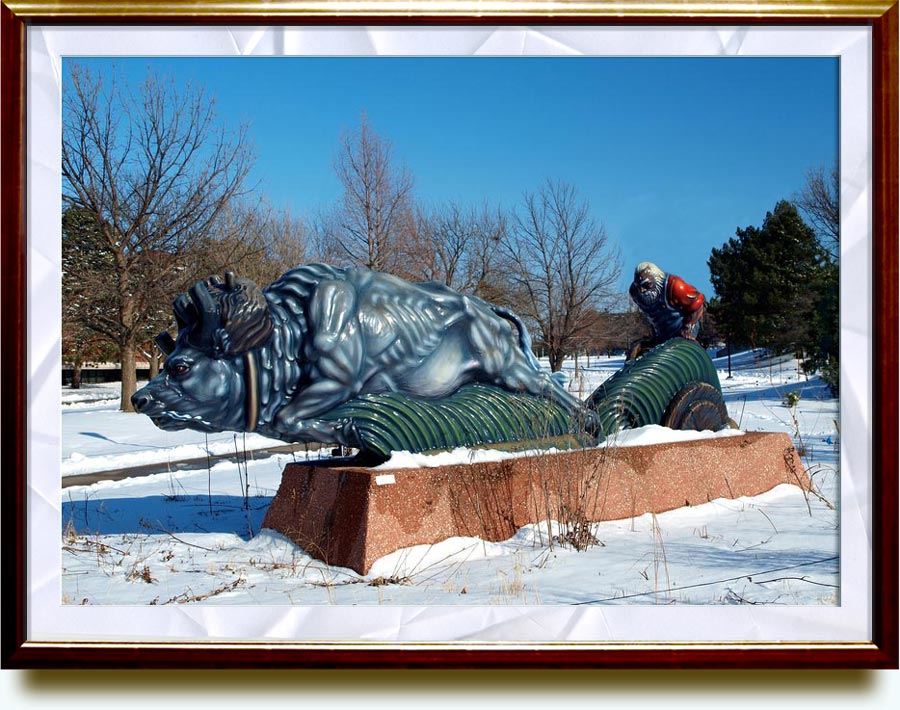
(562,492)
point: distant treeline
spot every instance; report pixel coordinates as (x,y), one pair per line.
(156,196)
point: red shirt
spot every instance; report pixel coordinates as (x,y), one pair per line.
(682,296)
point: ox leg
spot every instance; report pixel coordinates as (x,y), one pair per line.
(503,358)
(337,353)
(340,431)
(519,375)
(309,403)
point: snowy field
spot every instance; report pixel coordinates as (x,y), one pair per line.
(193,536)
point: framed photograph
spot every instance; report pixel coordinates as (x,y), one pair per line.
(673,131)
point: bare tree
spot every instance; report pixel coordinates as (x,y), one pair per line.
(460,246)
(453,240)
(369,227)
(467,242)
(249,238)
(155,170)
(254,240)
(287,239)
(613,331)
(488,268)
(819,200)
(417,245)
(563,266)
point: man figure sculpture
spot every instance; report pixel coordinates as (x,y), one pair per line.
(671,305)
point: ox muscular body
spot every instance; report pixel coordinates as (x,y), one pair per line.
(277,360)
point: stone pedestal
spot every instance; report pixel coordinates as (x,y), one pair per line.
(349,516)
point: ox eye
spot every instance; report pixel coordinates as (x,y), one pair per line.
(179,369)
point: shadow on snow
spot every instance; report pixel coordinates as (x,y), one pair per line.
(809,390)
(166,514)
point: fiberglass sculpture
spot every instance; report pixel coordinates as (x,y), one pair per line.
(281,360)
(378,364)
(671,305)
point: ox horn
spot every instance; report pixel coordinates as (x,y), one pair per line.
(208,313)
(182,308)
(165,343)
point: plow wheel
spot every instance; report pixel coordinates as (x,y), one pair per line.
(697,406)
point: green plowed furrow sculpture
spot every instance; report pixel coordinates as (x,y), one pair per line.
(640,393)
(663,386)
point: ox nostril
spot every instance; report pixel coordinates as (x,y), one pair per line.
(139,401)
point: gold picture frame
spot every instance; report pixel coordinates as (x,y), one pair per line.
(18,650)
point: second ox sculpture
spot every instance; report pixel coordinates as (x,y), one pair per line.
(371,361)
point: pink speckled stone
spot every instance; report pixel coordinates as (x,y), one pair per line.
(343,516)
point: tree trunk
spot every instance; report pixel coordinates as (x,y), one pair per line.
(556,358)
(76,374)
(127,345)
(129,377)
(154,361)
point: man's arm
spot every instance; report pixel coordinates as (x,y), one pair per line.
(688,301)
(684,297)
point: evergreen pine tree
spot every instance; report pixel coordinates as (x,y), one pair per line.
(769,283)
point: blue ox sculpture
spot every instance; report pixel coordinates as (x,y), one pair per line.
(276,360)
(376,363)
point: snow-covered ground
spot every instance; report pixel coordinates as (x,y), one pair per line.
(194,536)
(96,436)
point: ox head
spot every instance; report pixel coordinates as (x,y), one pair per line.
(209,377)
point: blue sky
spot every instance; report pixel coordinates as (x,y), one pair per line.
(673,154)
